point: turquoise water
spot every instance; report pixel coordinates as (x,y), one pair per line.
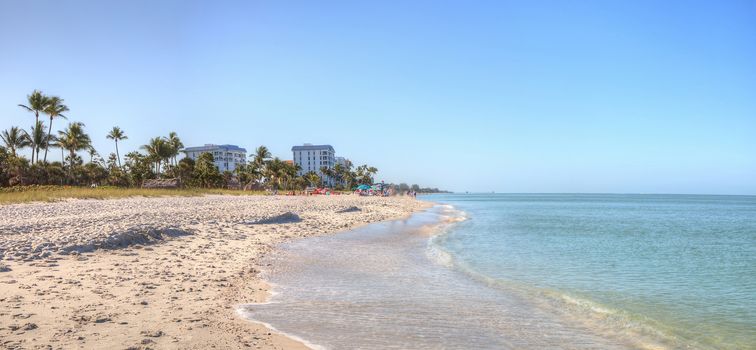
(678,268)
(527,272)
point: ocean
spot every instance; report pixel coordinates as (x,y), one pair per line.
(527,271)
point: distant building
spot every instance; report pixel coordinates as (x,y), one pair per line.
(226,157)
(341,161)
(311,157)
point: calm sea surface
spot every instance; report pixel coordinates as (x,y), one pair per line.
(528,271)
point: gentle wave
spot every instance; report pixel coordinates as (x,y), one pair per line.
(614,323)
(334,294)
(663,271)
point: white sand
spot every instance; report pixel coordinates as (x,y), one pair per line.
(155,272)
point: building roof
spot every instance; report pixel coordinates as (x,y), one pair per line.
(208,147)
(310,147)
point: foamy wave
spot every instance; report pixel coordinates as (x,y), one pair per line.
(448,216)
(440,256)
(643,333)
(587,304)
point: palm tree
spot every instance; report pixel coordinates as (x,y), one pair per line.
(92,153)
(274,170)
(166,152)
(261,155)
(286,175)
(291,169)
(338,174)
(253,172)
(313,178)
(158,150)
(152,149)
(54,109)
(74,139)
(14,139)
(37,139)
(36,102)
(349,177)
(116,134)
(259,163)
(328,174)
(176,146)
(365,174)
(55,142)
(362,175)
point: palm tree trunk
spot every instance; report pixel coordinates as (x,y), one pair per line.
(118,155)
(71,167)
(47,141)
(36,121)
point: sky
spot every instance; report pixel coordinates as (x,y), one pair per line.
(506,96)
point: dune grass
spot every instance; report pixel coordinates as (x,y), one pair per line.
(27,194)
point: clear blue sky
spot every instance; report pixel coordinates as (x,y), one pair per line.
(511,96)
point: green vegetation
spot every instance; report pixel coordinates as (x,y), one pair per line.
(71,177)
(403,187)
(15,139)
(116,134)
(50,193)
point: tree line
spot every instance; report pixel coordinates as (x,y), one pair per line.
(403,187)
(157,159)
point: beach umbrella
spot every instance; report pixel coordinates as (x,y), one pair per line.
(363,187)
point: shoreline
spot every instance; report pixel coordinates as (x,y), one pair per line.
(425,230)
(425,225)
(169,290)
(268,289)
(311,275)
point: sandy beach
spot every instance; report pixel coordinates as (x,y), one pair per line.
(163,273)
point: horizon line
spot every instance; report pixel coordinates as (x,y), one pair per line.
(599,193)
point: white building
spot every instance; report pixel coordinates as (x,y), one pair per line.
(226,157)
(342,161)
(312,157)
